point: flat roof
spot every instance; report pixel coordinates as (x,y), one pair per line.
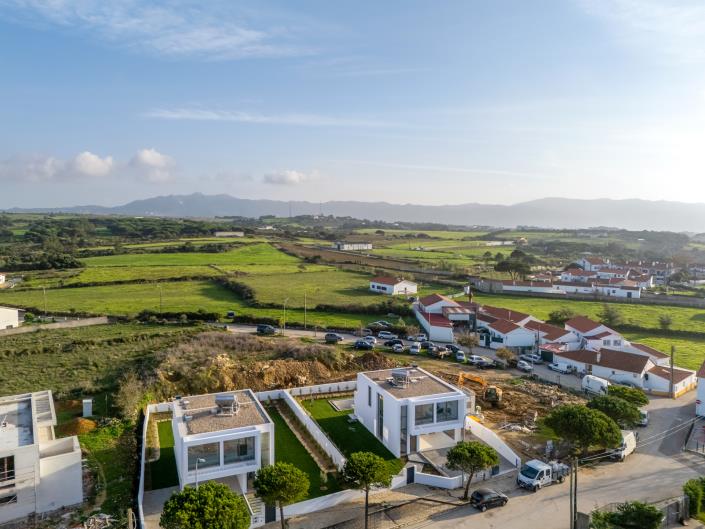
(21,414)
(204,418)
(421,384)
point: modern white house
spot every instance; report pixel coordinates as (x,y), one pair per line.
(700,396)
(392,286)
(221,435)
(410,410)
(38,472)
(9,318)
(344,246)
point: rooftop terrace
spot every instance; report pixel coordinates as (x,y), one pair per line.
(420,383)
(200,414)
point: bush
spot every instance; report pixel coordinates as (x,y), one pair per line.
(695,490)
(635,396)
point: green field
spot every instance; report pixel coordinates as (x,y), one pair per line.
(349,438)
(163,471)
(441,234)
(690,352)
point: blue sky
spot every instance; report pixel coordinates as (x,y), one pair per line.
(402,101)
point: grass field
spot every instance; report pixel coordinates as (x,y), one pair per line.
(349,438)
(288,449)
(180,296)
(163,471)
(690,352)
(441,234)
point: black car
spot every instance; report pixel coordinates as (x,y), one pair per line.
(453,348)
(428,345)
(486,363)
(392,343)
(266,329)
(363,344)
(332,337)
(483,499)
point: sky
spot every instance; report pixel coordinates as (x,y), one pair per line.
(407,101)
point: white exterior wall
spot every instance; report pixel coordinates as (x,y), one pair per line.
(9,318)
(381,288)
(2,278)
(700,398)
(617,292)
(61,476)
(517,338)
(27,476)
(548,289)
(434,333)
(402,287)
(614,375)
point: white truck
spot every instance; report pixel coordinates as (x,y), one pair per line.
(627,447)
(535,474)
(595,385)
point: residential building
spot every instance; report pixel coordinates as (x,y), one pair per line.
(504,333)
(527,286)
(221,435)
(592,264)
(345,246)
(9,318)
(578,275)
(392,285)
(507,314)
(38,472)
(410,410)
(583,326)
(613,273)
(700,396)
(437,327)
(547,333)
(656,356)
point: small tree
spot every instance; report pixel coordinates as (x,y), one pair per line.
(505,354)
(211,506)
(621,411)
(468,339)
(471,457)
(560,316)
(665,321)
(610,316)
(583,427)
(695,490)
(130,396)
(629,515)
(281,484)
(364,470)
(634,395)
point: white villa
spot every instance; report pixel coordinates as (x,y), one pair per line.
(410,410)
(38,473)
(221,435)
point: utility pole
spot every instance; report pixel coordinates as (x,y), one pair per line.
(44,290)
(284,320)
(161,300)
(305,310)
(672,387)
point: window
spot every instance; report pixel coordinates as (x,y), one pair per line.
(7,500)
(380,415)
(403,430)
(237,450)
(7,468)
(369,396)
(423,414)
(208,453)
(447,411)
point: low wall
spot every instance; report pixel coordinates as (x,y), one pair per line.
(492,439)
(152,408)
(68,324)
(322,389)
(442,482)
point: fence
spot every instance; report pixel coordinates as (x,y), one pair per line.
(492,439)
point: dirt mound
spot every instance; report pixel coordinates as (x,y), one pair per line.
(372,360)
(78,426)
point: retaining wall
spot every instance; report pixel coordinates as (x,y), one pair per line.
(492,439)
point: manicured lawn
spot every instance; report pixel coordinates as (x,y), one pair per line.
(288,449)
(349,438)
(163,470)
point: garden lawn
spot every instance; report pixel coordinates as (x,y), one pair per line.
(348,437)
(288,449)
(163,471)
(178,296)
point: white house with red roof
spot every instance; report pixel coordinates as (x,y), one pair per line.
(613,273)
(504,333)
(547,333)
(700,396)
(514,316)
(429,311)
(592,264)
(657,357)
(392,286)
(583,326)
(578,275)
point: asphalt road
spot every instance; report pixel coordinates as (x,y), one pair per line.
(657,470)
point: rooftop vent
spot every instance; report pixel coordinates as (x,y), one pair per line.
(226,403)
(400,378)
(187,418)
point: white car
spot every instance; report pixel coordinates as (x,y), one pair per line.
(460,356)
(523,365)
(533,359)
(474,359)
(398,348)
(415,348)
(559,368)
(386,335)
(370,339)
(417,338)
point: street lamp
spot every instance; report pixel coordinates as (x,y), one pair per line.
(284,320)
(198,460)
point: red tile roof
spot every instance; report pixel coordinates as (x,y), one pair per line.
(486,318)
(594,260)
(679,375)
(436,320)
(385,280)
(610,359)
(550,332)
(599,336)
(582,324)
(580,272)
(434,298)
(504,326)
(504,314)
(650,350)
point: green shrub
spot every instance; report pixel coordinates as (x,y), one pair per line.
(695,490)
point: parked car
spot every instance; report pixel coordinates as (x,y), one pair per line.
(453,348)
(266,329)
(417,337)
(474,359)
(370,339)
(439,352)
(380,324)
(363,344)
(415,348)
(231,314)
(386,335)
(332,337)
(559,368)
(531,358)
(483,499)
(486,363)
(525,366)
(427,345)
(460,357)
(365,332)
(643,418)
(393,342)
(398,348)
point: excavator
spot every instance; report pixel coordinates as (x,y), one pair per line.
(490,393)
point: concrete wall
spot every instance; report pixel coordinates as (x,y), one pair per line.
(61,475)
(492,439)
(9,318)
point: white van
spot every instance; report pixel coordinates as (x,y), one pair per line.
(627,447)
(595,385)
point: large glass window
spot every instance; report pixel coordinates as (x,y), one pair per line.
(423,414)
(209,455)
(380,415)
(403,430)
(447,411)
(237,450)
(7,468)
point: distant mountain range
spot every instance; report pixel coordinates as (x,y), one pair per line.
(633,214)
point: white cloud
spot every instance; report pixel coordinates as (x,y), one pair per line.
(676,27)
(306,120)
(289,177)
(153,165)
(90,164)
(215,30)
